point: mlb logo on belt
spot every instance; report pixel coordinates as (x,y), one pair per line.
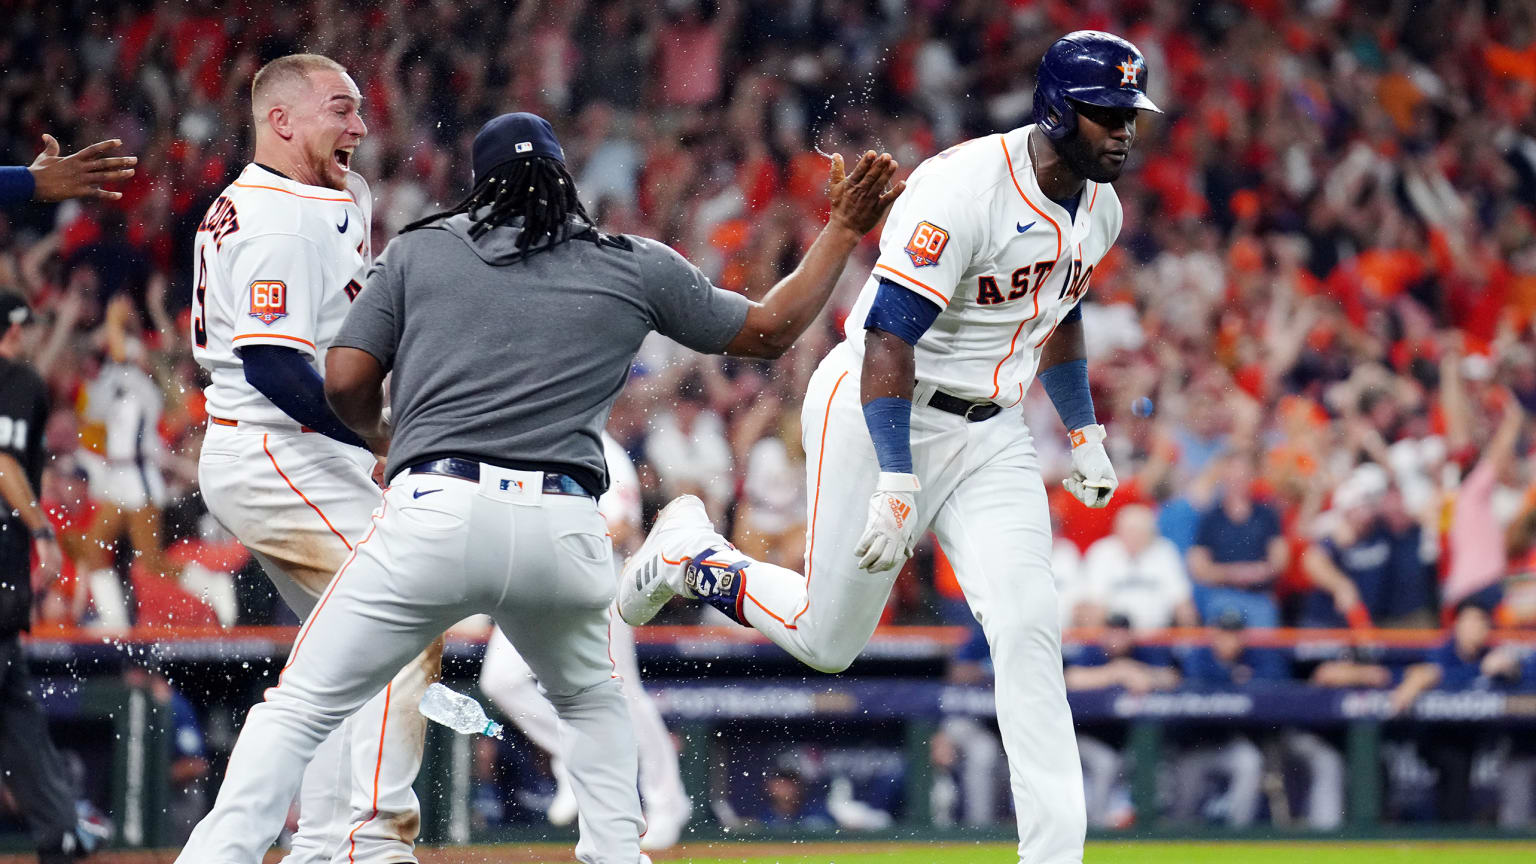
(927,244)
(508,485)
(269,301)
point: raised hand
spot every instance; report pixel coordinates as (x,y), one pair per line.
(80,175)
(860,198)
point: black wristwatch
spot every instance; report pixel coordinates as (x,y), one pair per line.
(44,533)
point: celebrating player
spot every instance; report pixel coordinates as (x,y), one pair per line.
(280,256)
(981,268)
(509,324)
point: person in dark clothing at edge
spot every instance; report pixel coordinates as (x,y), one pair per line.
(32,767)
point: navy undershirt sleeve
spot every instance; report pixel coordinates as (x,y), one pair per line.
(1067,385)
(900,312)
(16,185)
(284,376)
(889,420)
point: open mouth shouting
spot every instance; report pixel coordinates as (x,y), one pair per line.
(343,157)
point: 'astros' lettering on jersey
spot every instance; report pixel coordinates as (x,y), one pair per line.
(974,234)
(276,262)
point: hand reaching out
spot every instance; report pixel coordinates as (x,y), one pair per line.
(81,175)
(860,199)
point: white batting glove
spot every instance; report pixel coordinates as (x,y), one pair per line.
(890,532)
(1093,480)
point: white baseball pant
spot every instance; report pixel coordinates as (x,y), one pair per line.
(443,549)
(507,680)
(300,502)
(983,498)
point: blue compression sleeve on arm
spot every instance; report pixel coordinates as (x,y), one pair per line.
(284,376)
(16,185)
(1067,385)
(890,428)
(1075,315)
(900,312)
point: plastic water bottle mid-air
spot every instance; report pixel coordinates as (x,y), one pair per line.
(458,712)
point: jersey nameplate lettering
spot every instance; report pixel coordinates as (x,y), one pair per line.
(220,220)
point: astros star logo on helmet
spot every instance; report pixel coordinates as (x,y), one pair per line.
(1130,71)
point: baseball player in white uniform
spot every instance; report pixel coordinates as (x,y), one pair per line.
(982,264)
(280,256)
(507,326)
(509,682)
(123,404)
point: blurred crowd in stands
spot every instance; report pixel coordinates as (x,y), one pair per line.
(1312,344)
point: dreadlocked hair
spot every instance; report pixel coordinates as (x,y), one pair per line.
(537,190)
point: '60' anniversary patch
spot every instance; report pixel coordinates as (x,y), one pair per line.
(927,244)
(269,301)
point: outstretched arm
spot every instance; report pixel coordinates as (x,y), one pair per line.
(52,177)
(859,201)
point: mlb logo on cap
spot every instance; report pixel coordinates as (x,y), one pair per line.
(510,137)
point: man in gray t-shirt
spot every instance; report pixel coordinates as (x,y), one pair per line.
(513,358)
(509,324)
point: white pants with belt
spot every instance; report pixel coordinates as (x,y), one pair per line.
(300,502)
(442,549)
(983,498)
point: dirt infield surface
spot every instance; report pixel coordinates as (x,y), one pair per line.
(961,853)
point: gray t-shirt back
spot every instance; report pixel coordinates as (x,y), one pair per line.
(517,360)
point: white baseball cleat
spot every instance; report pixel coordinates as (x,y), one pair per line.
(664,826)
(562,809)
(655,573)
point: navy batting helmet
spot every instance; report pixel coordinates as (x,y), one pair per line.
(1088,66)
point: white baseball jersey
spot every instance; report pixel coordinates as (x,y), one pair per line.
(277,262)
(974,234)
(127,403)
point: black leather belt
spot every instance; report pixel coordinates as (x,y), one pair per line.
(971,411)
(555,483)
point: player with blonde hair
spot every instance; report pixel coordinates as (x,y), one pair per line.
(279,258)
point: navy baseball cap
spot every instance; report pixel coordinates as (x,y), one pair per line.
(514,136)
(14,310)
